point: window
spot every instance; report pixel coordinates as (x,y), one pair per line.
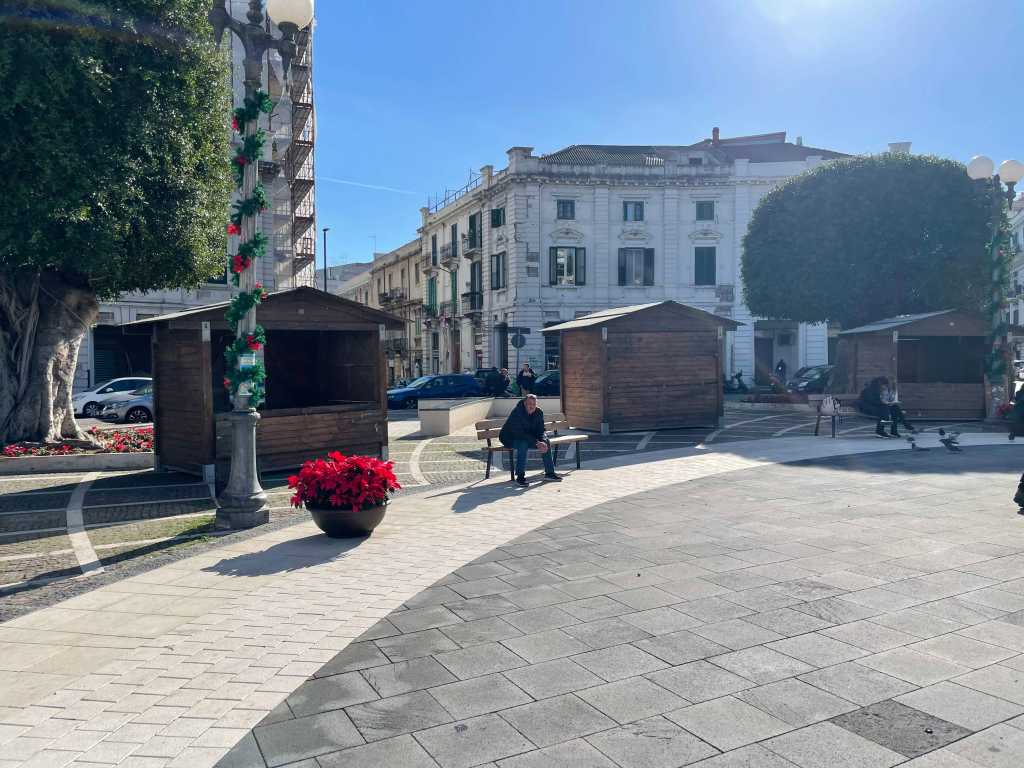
(696,161)
(417,267)
(636,266)
(705,210)
(497,217)
(474,236)
(633,210)
(568,266)
(432,295)
(499,271)
(455,289)
(455,240)
(565,209)
(704,266)
(433,250)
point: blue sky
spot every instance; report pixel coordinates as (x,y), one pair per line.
(412,95)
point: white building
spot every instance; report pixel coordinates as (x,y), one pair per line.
(590,227)
(287,173)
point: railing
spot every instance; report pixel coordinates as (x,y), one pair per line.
(393,296)
(428,262)
(449,309)
(472,242)
(448,252)
(450,196)
(473,301)
(305,250)
(395,347)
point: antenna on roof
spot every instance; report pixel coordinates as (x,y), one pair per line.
(714,135)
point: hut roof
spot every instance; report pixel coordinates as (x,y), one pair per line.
(894,322)
(609,316)
(372,315)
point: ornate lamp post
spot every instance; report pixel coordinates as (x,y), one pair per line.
(243,503)
(981,169)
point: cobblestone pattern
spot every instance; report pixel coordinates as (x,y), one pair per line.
(861,611)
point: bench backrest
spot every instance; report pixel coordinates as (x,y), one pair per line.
(490,428)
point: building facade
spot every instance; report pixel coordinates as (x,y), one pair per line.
(590,227)
(287,172)
(1015,308)
(397,285)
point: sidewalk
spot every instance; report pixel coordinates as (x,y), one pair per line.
(175,666)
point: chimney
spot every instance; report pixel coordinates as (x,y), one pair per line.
(714,135)
(799,141)
(900,147)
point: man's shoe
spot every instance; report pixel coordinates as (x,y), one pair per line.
(521,481)
(880,432)
(553,478)
(1018,497)
(894,433)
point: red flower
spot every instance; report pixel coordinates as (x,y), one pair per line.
(241,160)
(227,383)
(233,229)
(253,343)
(343,481)
(234,123)
(240,263)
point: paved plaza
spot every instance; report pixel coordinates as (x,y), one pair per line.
(717,603)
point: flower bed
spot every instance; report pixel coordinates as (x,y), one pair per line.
(138,440)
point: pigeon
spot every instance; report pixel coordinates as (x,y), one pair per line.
(951,441)
(913,444)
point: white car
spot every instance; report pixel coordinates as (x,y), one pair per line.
(90,402)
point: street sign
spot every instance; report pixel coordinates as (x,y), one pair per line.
(518,341)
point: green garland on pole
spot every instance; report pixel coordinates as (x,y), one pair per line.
(253,373)
(999,257)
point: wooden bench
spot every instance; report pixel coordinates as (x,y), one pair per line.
(556,427)
(846,408)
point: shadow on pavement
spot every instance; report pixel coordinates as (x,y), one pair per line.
(286,556)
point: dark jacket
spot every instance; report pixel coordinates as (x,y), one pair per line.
(525,380)
(496,383)
(521,425)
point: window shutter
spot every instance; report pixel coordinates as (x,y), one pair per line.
(622,266)
(648,266)
(640,211)
(553,264)
(581,266)
(625,211)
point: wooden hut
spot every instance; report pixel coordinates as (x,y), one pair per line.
(326,383)
(935,360)
(649,366)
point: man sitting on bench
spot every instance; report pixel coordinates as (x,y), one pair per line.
(524,430)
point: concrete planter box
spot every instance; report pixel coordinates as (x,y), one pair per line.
(443,417)
(82,462)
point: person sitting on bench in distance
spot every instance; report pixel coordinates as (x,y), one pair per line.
(523,430)
(878,400)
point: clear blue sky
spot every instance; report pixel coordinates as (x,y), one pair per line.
(411,95)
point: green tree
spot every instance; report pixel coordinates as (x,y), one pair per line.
(868,238)
(115,147)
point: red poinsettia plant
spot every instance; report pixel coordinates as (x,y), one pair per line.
(343,481)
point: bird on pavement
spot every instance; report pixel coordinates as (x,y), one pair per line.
(951,440)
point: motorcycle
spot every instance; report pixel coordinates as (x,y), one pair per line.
(734,385)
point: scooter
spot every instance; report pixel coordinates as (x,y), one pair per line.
(734,385)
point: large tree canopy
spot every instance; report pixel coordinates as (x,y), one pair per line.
(115,150)
(867,238)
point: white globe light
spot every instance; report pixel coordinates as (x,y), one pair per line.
(297,12)
(980,167)
(1011,171)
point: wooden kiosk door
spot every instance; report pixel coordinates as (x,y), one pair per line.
(764,352)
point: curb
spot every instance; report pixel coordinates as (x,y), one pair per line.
(83,462)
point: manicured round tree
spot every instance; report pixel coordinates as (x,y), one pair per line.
(115,152)
(867,238)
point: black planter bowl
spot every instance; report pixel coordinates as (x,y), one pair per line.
(343,523)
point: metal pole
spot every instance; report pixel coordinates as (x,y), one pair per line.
(326,230)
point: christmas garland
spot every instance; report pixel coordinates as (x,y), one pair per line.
(252,377)
(999,257)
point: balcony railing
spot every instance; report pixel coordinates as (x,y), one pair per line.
(449,252)
(449,308)
(472,243)
(396,347)
(394,296)
(472,301)
(428,262)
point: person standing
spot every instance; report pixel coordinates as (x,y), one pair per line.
(780,371)
(526,379)
(523,430)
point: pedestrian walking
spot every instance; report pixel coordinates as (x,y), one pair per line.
(526,379)
(780,371)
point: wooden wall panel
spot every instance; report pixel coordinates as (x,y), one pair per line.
(185,436)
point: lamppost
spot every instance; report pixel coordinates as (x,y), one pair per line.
(243,503)
(982,170)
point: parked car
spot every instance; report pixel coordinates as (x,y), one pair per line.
(1018,369)
(548,384)
(136,408)
(434,387)
(90,402)
(811,380)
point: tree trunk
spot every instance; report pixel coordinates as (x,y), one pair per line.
(43,319)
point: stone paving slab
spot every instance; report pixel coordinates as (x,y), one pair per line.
(288,601)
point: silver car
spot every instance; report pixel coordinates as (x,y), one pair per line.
(137,408)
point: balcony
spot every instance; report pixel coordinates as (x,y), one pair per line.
(394,296)
(304,251)
(428,262)
(393,347)
(268,171)
(448,253)
(448,309)
(472,302)
(472,243)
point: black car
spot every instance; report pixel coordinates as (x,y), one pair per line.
(548,384)
(811,380)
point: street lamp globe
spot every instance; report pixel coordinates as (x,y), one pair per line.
(297,12)
(1011,171)
(980,167)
